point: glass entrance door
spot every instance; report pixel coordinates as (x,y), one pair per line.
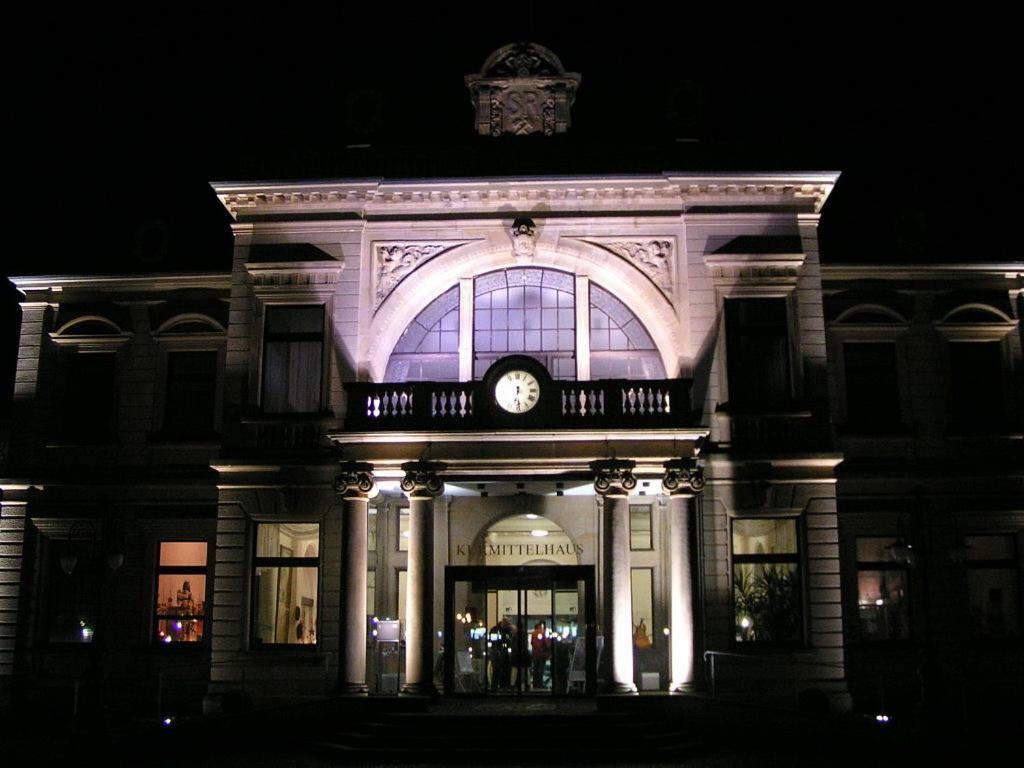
(519,630)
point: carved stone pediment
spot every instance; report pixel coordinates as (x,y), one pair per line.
(652,256)
(394,260)
(522,89)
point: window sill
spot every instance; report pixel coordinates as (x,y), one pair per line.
(158,648)
(270,655)
(885,431)
(790,412)
(265,418)
(211,440)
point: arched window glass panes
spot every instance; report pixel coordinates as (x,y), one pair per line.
(428,350)
(620,346)
(526,311)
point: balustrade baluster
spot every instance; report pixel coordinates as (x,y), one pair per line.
(462,403)
(600,400)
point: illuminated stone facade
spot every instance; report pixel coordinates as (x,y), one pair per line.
(721,495)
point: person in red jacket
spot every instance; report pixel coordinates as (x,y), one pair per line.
(540,652)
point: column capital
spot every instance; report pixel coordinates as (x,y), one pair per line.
(613,477)
(421,480)
(355,481)
(683,477)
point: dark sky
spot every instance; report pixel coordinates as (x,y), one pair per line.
(126,120)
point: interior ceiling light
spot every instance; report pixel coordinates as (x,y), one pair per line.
(538,533)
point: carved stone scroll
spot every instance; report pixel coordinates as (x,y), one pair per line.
(393,261)
(652,257)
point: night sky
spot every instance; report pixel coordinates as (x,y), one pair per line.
(127,120)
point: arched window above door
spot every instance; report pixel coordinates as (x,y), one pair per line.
(526,311)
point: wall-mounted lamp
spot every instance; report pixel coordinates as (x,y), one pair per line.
(902,550)
(82,539)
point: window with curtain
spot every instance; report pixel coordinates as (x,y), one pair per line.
(191,394)
(757,343)
(766,588)
(872,387)
(88,403)
(293,341)
(286,583)
(976,386)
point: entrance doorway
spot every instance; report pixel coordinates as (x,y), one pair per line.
(520,630)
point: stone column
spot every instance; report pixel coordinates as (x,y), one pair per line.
(355,485)
(682,481)
(613,480)
(421,484)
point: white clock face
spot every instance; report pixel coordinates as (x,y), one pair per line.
(517,391)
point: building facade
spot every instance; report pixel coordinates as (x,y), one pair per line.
(516,437)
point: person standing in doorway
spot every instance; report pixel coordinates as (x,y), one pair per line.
(540,652)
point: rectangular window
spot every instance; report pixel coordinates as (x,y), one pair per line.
(757,341)
(993,583)
(642,587)
(402,582)
(976,379)
(403,529)
(883,606)
(293,359)
(371,593)
(767,594)
(89,397)
(191,395)
(640,527)
(74,595)
(286,581)
(872,390)
(181,592)
(371,530)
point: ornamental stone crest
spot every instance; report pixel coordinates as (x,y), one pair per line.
(421,478)
(393,261)
(522,89)
(355,480)
(682,477)
(613,477)
(652,257)
(524,239)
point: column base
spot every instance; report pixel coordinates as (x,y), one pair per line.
(682,688)
(352,689)
(621,689)
(419,689)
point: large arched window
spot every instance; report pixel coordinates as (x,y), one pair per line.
(428,350)
(527,311)
(620,347)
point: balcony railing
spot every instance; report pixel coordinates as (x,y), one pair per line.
(609,403)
